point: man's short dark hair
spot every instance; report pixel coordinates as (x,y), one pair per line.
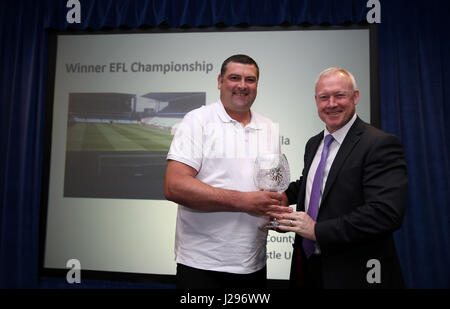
(244,59)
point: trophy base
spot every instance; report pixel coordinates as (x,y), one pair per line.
(273,225)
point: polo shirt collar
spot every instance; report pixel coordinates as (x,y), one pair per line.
(223,116)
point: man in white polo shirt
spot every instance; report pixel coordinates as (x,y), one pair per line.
(219,241)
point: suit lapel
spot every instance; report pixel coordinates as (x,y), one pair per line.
(310,152)
(350,140)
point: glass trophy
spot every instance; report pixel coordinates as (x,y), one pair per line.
(272,174)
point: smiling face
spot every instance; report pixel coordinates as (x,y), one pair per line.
(336,100)
(238,87)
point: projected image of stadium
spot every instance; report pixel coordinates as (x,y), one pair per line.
(117,142)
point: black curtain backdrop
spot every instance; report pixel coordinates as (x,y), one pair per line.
(414,54)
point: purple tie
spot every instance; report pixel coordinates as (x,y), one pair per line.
(309,245)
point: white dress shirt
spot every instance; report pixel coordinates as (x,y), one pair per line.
(339,137)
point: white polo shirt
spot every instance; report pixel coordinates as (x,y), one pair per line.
(223,152)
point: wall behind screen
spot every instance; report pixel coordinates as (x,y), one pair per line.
(137,235)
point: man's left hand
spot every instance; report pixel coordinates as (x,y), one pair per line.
(299,222)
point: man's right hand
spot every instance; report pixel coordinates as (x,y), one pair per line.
(261,203)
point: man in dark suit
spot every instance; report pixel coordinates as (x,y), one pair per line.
(347,242)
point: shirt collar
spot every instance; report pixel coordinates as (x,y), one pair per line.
(223,116)
(340,134)
(221,112)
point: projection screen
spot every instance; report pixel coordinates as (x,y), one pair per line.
(115,103)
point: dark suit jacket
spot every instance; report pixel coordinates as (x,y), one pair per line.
(363,203)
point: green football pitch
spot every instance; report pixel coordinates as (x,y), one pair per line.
(116,137)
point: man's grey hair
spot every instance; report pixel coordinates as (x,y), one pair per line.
(333,70)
